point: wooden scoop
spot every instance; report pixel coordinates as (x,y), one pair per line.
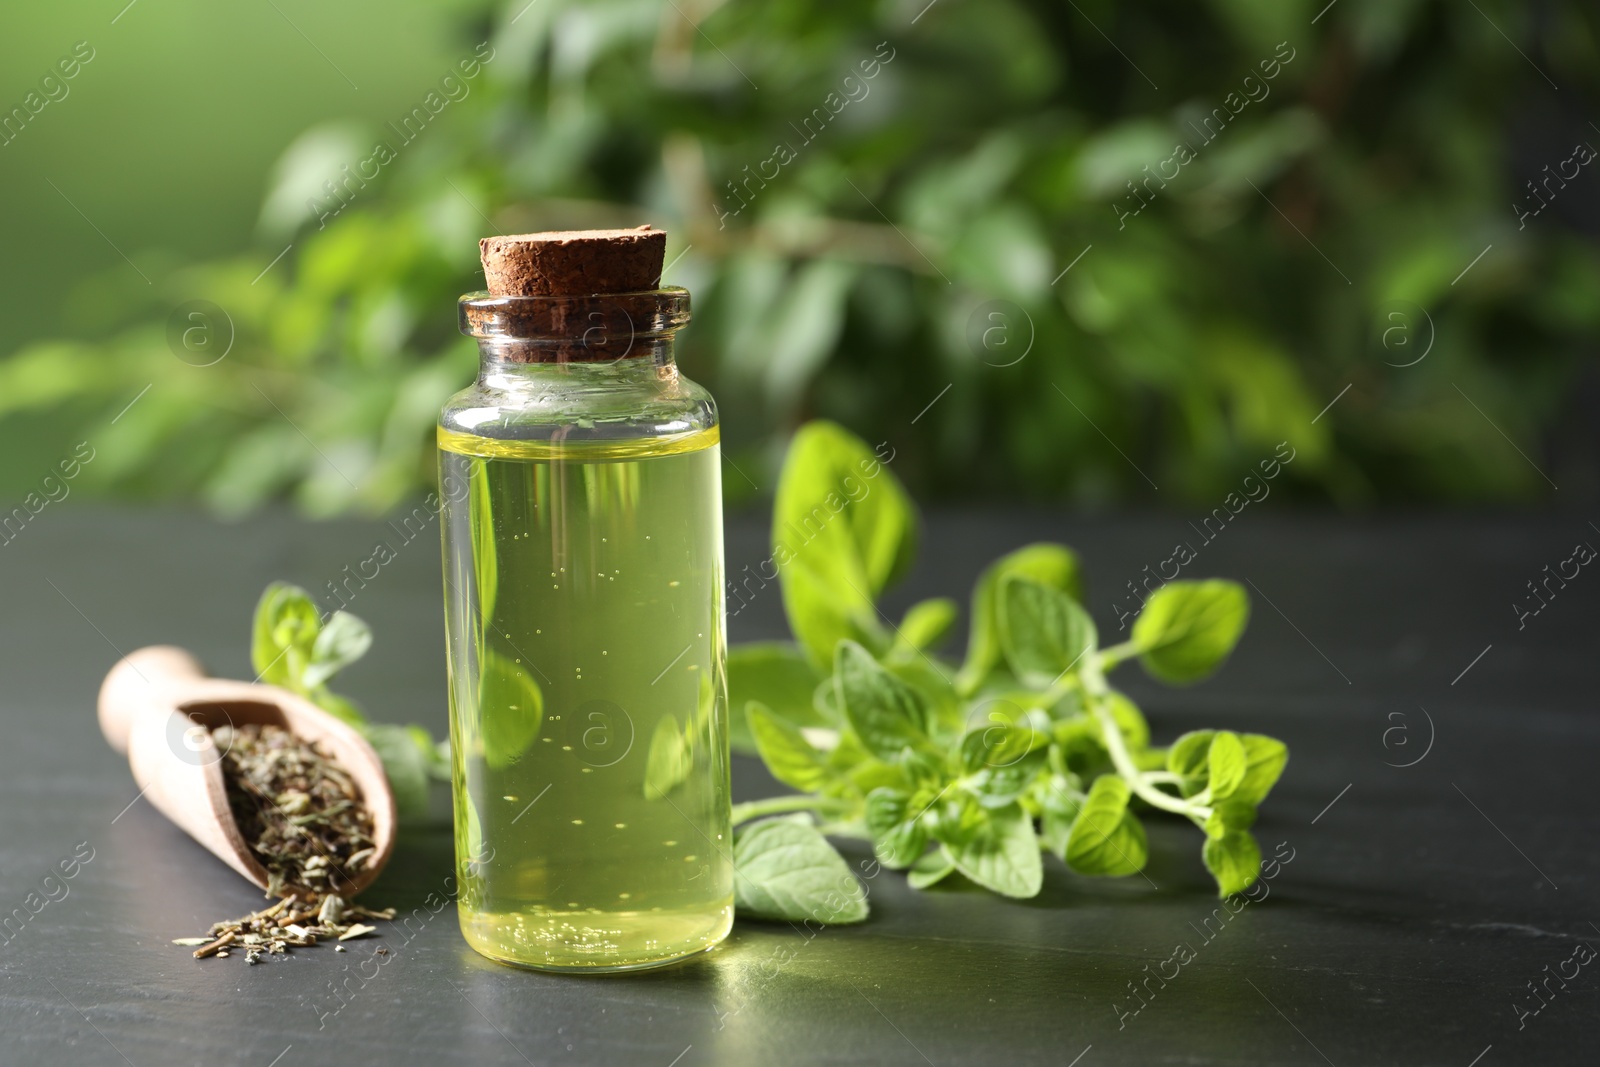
(158,706)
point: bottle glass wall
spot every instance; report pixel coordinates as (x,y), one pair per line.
(582,525)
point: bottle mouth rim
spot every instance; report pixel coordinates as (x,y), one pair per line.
(605,322)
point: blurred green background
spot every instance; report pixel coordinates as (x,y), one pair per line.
(875,205)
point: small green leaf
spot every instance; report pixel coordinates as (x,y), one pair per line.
(341,641)
(786,870)
(943,715)
(1225,764)
(1003,855)
(1234,860)
(1107,838)
(886,809)
(1230,815)
(886,713)
(1000,775)
(958,818)
(1007,733)
(898,836)
(932,868)
(1188,758)
(785,751)
(284,630)
(1187,629)
(926,623)
(1264,761)
(1059,807)
(1052,565)
(843,528)
(1043,632)
(925,770)
(404,763)
(820,615)
(778,675)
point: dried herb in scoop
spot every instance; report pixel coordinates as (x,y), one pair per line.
(300,812)
(302,816)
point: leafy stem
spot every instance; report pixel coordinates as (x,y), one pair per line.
(1024,748)
(1095,688)
(293,646)
(755,809)
(1114,656)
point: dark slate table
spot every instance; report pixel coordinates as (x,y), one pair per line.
(1439,809)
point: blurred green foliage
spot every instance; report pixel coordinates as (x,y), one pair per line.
(853,255)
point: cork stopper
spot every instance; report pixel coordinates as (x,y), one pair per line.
(574,262)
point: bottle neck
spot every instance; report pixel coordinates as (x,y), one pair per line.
(610,329)
(511,364)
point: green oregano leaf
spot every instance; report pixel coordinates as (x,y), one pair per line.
(957,818)
(1265,758)
(1188,758)
(1225,764)
(1059,806)
(1187,629)
(1234,860)
(342,640)
(284,630)
(291,646)
(898,836)
(932,868)
(1052,565)
(886,714)
(778,675)
(886,809)
(1000,769)
(925,624)
(1228,816)
(1003,854)
(1043,632)
(843,528)
(1007,732)
(785,870)
(942,713)
(785,751)
(1107,838)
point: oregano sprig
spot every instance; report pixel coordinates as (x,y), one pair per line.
(1023,748)
(294,646)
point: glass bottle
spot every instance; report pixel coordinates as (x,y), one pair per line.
(581,515)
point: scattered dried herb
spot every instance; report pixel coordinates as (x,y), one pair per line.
(293,922)
(303,817)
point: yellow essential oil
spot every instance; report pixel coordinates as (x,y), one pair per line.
(588,722)
(584,618)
